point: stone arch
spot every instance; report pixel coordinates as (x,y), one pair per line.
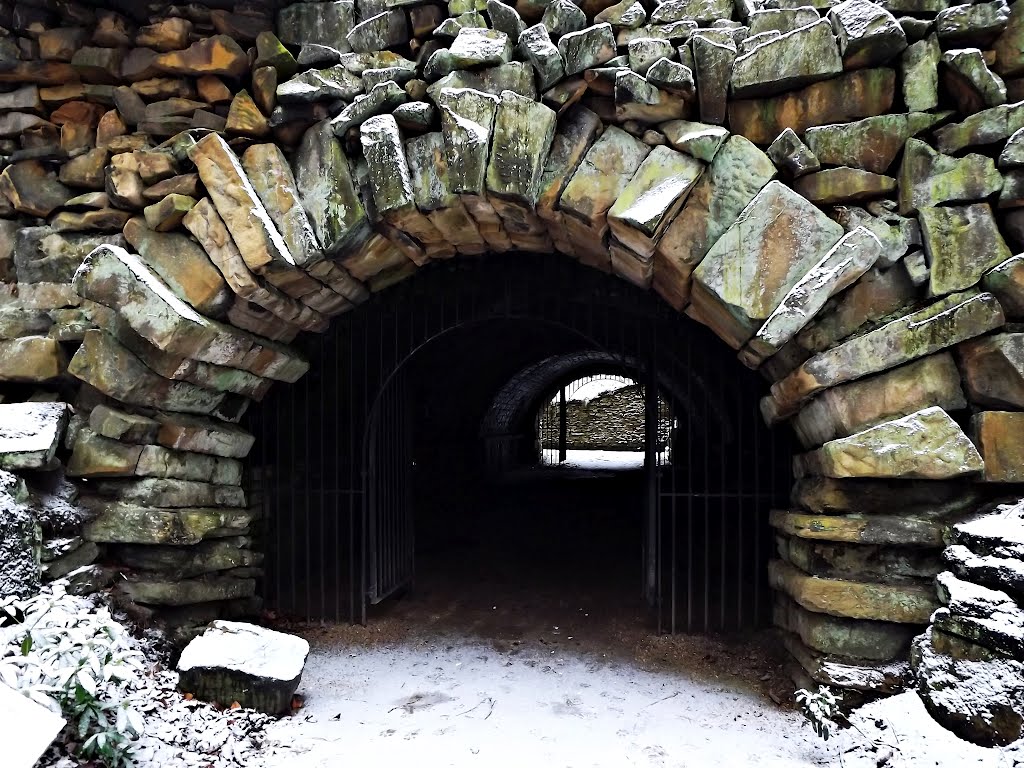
(582,140)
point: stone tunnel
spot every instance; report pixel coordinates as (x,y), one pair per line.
(200,201)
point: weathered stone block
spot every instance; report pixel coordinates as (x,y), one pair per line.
(30,358)
(993,370)
(604,173)
(872,143)
(926,444)
(897,530)
(271,177)
(256,667)
(237,203)
(121,523)
(928,178)
(854,254)
(775,241)
(117,279)
(328,194)
(843,410)
(962,243)
(945,323)
(184,267)
(738,172)
(647,204)
(902,604)
(522,136)
(467,118)
(999,436)
(875,641)
(112,369)
(948,688)
(867,33)
(863,93)
(794,59)
(30,434)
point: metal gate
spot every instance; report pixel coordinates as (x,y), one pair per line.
(331,461)
(388,512)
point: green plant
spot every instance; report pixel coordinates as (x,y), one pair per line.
(821,708)
(73,658)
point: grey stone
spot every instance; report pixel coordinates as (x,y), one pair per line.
(320,85)
(385,30)
(972,84)
(322,23)
(962,243)
(714,62)
(949,321)
(849,258)
(796,58)
(256,667)
(562,17)
(30,434)
(868,34)
(328,194)
(928,178)
(734,301)
(949,688)
(699,140)
(919,68)
(523,132)
(738,172)
(467,117)
(587,48)
(792,155)
(672,76)
(536,46)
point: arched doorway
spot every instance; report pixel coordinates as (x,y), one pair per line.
(432,355)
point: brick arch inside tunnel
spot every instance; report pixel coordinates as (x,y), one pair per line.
(841,216)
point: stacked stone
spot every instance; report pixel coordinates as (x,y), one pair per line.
(969,665)
(833,189)
(100,119)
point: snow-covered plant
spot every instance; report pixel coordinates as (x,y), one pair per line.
(821,708)
(71,656)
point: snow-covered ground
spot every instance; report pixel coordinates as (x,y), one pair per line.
(611,461)
(900,732)
(448,702)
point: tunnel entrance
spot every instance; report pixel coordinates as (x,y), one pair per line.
(410,462)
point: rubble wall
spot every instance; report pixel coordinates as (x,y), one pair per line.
(834,189)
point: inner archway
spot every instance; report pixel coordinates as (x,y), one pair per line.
(406,391)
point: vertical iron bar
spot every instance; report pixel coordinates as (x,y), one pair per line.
(563,426)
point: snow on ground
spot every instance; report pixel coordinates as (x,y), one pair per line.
(612,461)
(900,732)
(449,702)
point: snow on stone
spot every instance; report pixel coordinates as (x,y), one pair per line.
(246,648)
(30,428)
(898,731)
(35,725)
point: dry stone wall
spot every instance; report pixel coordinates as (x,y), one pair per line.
(833,188)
